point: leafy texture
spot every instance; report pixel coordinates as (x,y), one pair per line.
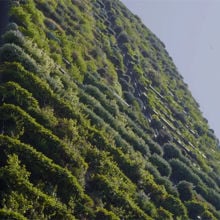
(95,120)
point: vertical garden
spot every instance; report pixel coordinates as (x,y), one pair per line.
(95,120)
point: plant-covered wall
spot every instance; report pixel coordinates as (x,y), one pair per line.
(95,120)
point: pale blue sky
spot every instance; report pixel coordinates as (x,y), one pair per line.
(190,30)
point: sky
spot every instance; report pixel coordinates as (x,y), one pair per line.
(190,29)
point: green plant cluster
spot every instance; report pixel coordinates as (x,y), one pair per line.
(95,120)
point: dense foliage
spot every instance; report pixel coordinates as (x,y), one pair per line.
(96,122)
